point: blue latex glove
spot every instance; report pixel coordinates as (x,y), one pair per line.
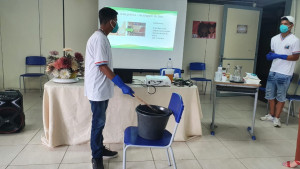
(125,89)
(271,56)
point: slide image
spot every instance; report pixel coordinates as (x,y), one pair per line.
(136,29)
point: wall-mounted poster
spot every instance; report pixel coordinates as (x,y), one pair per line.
(242,29)
(204,29)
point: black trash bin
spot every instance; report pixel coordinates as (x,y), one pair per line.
(151,124)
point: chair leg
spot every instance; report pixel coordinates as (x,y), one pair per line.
(288,115)
(168,156)
(24,85)
(20,83)
(211,90)
(173,159)
(205,87)
(40,86)
(293,109)
(124,156)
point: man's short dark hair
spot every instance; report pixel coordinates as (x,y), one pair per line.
(286,19)
(106,14)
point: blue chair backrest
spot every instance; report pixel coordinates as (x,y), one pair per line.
(176,70)
(297,87)
(35,60)
(176,105)
(197,66)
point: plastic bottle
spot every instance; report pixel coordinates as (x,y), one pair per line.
(228,68)
(169,71)
(220,69)
(228,71)
(169,64)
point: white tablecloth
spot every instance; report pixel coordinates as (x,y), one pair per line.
(67,114)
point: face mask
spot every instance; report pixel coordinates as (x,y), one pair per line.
(283,28)
(116,28)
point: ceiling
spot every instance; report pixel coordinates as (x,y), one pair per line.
(254,3)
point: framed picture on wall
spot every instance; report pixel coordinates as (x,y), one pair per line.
(204,29)
(242,29)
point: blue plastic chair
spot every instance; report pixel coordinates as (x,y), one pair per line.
(199,66)
(132,139)
(176,70)
(34,61)
(291,99)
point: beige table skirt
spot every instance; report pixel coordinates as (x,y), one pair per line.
(67,113)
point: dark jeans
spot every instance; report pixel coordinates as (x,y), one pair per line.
(98,123)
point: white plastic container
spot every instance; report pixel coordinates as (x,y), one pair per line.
(220,69)
(218,76)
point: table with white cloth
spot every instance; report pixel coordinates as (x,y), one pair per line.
(67,113)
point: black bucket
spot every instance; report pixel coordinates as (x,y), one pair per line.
(151,124)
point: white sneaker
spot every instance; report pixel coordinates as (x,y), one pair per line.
(267,117)
(276,122)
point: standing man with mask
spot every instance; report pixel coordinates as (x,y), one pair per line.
(99,82)
(285,52)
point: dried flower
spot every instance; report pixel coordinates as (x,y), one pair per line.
(51,59)
(62,63)
(55,73)
(64,73)
(54,52)
(74,65)
(78,57)
(50,68)
(66,66)
(67,50)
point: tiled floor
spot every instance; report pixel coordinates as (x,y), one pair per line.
(230,148)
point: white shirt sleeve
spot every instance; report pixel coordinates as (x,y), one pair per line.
(101,56)
(272,44)
(296,47)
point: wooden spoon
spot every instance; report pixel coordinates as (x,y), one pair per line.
(144,102)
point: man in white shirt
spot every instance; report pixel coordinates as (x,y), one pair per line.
(285,52)
(99,82)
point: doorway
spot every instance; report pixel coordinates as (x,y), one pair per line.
(240,35)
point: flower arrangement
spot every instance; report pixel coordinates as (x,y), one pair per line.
(65,67)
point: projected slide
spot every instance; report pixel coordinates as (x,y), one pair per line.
(144,29)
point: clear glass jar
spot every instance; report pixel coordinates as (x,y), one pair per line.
(237,75)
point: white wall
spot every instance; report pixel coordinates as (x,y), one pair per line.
(202,50)
(1,57)
(295,12)
(51,22)
(19,26)
(81,21)
(22,37)
(19,30)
